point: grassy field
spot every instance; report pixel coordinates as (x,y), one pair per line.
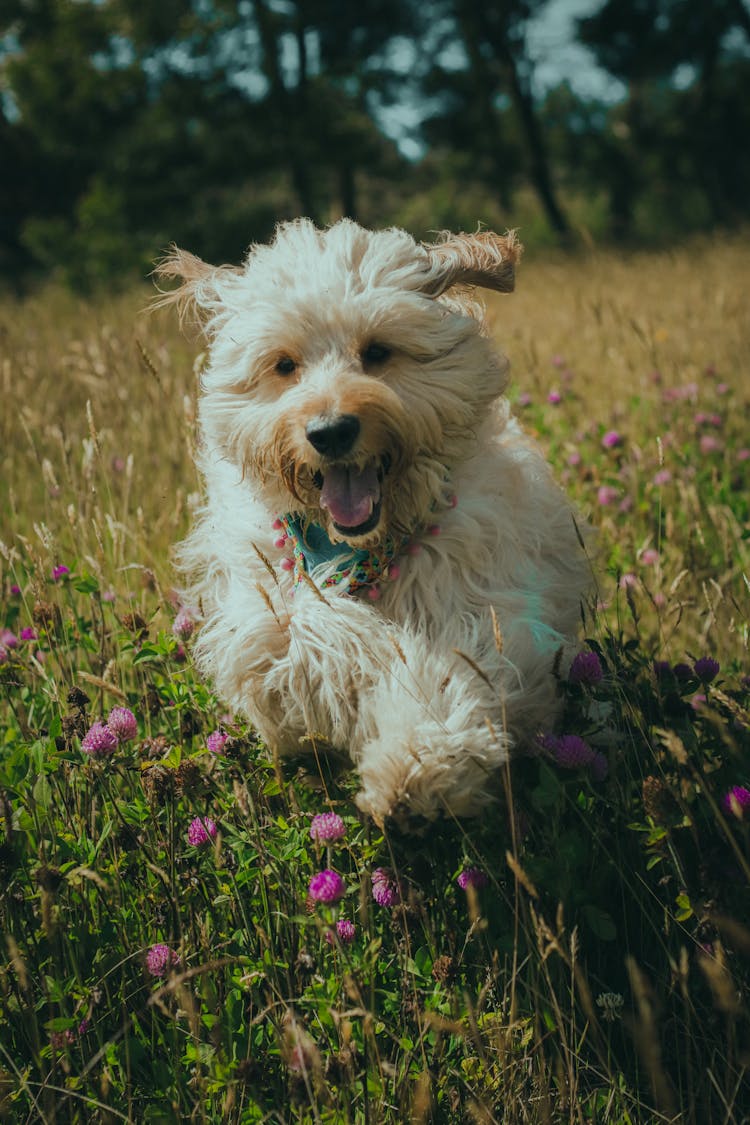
(582,956)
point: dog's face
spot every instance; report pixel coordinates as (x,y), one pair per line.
(341,380)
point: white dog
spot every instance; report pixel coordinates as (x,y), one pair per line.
(383,560)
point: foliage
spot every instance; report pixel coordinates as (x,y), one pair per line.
(128,126)
(591,964)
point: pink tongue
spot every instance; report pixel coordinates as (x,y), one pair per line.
(349,495)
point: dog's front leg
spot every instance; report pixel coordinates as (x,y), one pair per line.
(308,665)
(432,737)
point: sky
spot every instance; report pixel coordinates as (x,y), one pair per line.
(557,58)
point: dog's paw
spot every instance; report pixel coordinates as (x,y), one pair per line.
(410,785)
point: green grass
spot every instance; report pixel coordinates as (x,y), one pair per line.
(600,976)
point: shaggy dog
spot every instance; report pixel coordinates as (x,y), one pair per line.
(383,561)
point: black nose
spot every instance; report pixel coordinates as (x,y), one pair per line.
(333,436)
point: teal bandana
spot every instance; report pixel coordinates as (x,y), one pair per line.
(358,568)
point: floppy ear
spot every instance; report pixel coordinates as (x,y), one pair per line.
(199,293)
(486,259)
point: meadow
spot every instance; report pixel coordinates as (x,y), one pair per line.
(168,952)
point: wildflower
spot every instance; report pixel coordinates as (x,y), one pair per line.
(663,476)
(682,672)
(385,887)
(662,668)
(444,969)
(29,634)
(201,830)
(585,669)
(122,723)
(722,388)
(4,655)
(606,495)
(216,741)
(697,701)
(472,877)
(706,669)
(558,361)
(15,590)
(345,931)
(327,827)
(327,886)
(627,581)
(736,801)
(524,399)
(160,959)
(99,741)
(59,572)
(611,1004)
(84,1025)
(612,439)
(574,458)
(570,752)
(650,557)
(183,626)
(554,397)
(8,639)
(743,454)
(710,444)
(108,596)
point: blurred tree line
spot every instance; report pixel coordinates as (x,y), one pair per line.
(126,124)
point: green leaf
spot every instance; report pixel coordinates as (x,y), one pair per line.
(600,923)
(42,791)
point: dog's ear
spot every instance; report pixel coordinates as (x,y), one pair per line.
(486,259)
(199,294)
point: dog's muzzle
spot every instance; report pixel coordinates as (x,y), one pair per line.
(351,493)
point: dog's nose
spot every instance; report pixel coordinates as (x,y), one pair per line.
(333,436)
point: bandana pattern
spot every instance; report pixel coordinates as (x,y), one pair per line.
(357,568)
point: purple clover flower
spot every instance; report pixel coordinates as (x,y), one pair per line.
(327,886)
(606,495)
(183,626)
(736,801)
(682,672)
(16,590)
(554,398)
(612,439)
(706,669)
(8,639)
(4,655)
(216,741)
(122,722)
(201,830)
(385,888)
(570,751)
(345,931)
(472,877)
(99,741)
(585,669)
(327,827)
(59,572)
(29,634)
(160,959)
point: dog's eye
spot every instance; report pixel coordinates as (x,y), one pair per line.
(285,366)
(375,354)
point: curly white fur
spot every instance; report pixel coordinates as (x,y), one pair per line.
(416,686)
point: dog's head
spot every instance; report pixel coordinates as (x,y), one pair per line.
(344,378)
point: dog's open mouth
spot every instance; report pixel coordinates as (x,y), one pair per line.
(352,496)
